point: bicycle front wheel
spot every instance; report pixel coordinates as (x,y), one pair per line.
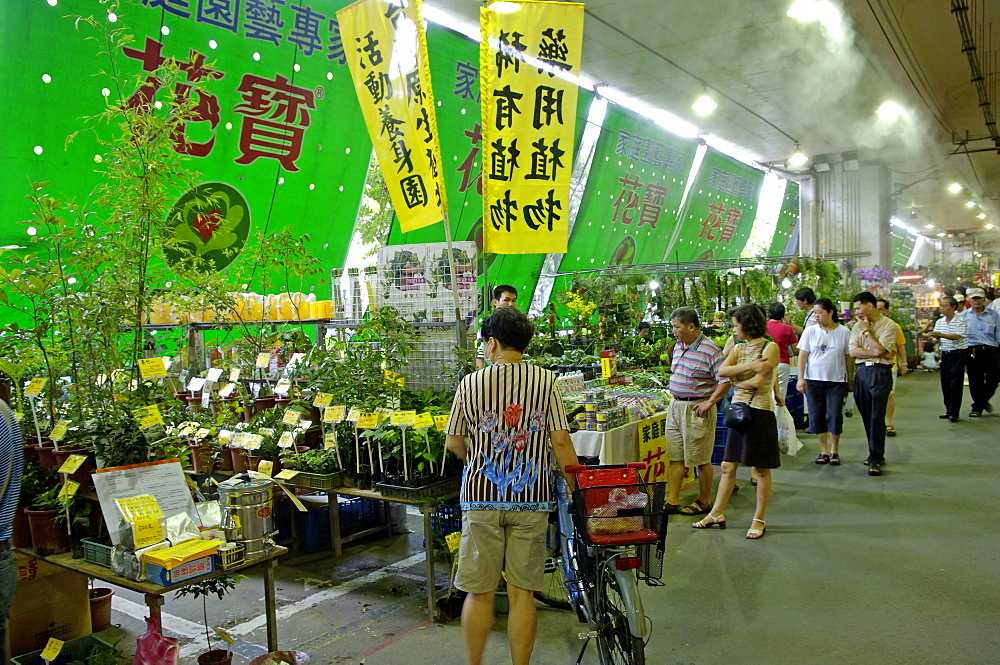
(617,644)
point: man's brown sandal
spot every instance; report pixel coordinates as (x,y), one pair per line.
(696,508)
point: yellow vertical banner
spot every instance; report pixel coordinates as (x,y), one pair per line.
(386,49)
(529,60)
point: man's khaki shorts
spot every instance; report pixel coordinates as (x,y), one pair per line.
(689,437)
(501,540)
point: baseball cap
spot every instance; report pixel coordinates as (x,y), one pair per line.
(975,293)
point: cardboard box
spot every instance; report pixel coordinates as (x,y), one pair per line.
(182,573)
(50,602)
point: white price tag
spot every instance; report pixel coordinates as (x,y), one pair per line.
(196,384)
(213,374)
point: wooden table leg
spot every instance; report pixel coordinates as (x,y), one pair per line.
(335,537)
(427,509)
(270,605)
(155,601)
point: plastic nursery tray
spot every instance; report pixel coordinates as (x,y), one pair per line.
(317,481)
(431,491)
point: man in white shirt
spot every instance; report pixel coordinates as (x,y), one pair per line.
(950,331)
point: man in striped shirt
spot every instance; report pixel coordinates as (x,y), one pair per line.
(691,418)
(502,421)
(11,468)
(951,332)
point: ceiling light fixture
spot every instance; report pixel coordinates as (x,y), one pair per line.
(797,158)
(970,204)
(981,215)
(704,105)
(988,227)
(954,188)
(821,164)
(928,226)
(889,111)
(804,10)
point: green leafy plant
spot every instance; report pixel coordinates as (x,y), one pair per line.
(219,586)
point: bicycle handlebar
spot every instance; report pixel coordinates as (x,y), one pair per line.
(577,468)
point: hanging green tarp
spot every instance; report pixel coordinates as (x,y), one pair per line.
(788,219)
(632,196)
(719,212)
(279,124)
(454,61)
(902,247)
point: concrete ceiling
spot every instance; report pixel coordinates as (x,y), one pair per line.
(778,80)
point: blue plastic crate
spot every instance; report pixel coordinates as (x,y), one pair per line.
(313,525)
(720,436)
(717,453)
(446,518)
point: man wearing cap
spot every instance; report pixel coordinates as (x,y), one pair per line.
(983,359)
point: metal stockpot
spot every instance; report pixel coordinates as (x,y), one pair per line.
(248,515)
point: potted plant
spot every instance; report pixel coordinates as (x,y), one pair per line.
(100,607)
(47,520)
(219,585)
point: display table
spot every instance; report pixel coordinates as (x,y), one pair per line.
(615,446)
(154,592)
(427,507)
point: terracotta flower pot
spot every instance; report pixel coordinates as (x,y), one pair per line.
(30,454)
(22,530)
(81,475)
(224,462)
(237,459)
(282,402)
(46,456)
(215,657)
(47,535)
(100,608)
(201,459)
(262,404)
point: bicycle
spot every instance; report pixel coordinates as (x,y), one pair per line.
(607,537)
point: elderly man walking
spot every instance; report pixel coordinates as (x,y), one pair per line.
(950,331)
(983,359)
(696,389)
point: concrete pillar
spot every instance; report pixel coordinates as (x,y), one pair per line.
(850,214)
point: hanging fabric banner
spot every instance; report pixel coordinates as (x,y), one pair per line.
(788,219)
(528,52)
(386,51)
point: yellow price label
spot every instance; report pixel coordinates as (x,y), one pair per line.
(334,413)
(329,441)
(266,467)
(424,420)
(254,442)
(147,530)
(287,474)
(35,387)
(202,433)
(72,463)
(607,367)
(367,421)
(148,416)
(323,399)
(137,506)
(291,417)
(393,377)
(453,540)
(224,635)
(286,440)
(58,432)
(263,360)
(152,368)
(52,649)
(69,489)
(441,422)
(353,415)
(403,418)
(234,375)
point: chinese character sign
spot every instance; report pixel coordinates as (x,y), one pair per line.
(653,447)
(784,239)
(527,52)
(386,51)
(720,211)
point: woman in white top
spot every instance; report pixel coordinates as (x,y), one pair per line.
(826,373)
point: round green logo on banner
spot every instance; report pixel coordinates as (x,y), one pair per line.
(624,253)
(211,223)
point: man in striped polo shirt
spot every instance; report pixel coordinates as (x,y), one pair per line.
(11,468)
(502,421)
(696,389)
(950,331)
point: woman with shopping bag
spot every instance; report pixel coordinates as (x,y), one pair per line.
(752,438)
(826,374)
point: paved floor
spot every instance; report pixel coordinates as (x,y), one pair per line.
(853,569)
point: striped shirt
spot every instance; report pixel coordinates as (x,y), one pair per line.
(694,372)
(983,329)
(506,411)
(12,466)
(957,326)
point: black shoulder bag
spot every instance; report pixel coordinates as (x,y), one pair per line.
(737,414)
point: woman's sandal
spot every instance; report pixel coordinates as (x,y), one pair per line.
(835,459)
(696,508)
(823,459)
(719,521)
(754,534)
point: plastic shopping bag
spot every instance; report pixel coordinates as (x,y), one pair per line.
(606,519)
(788,442)
(153,648)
